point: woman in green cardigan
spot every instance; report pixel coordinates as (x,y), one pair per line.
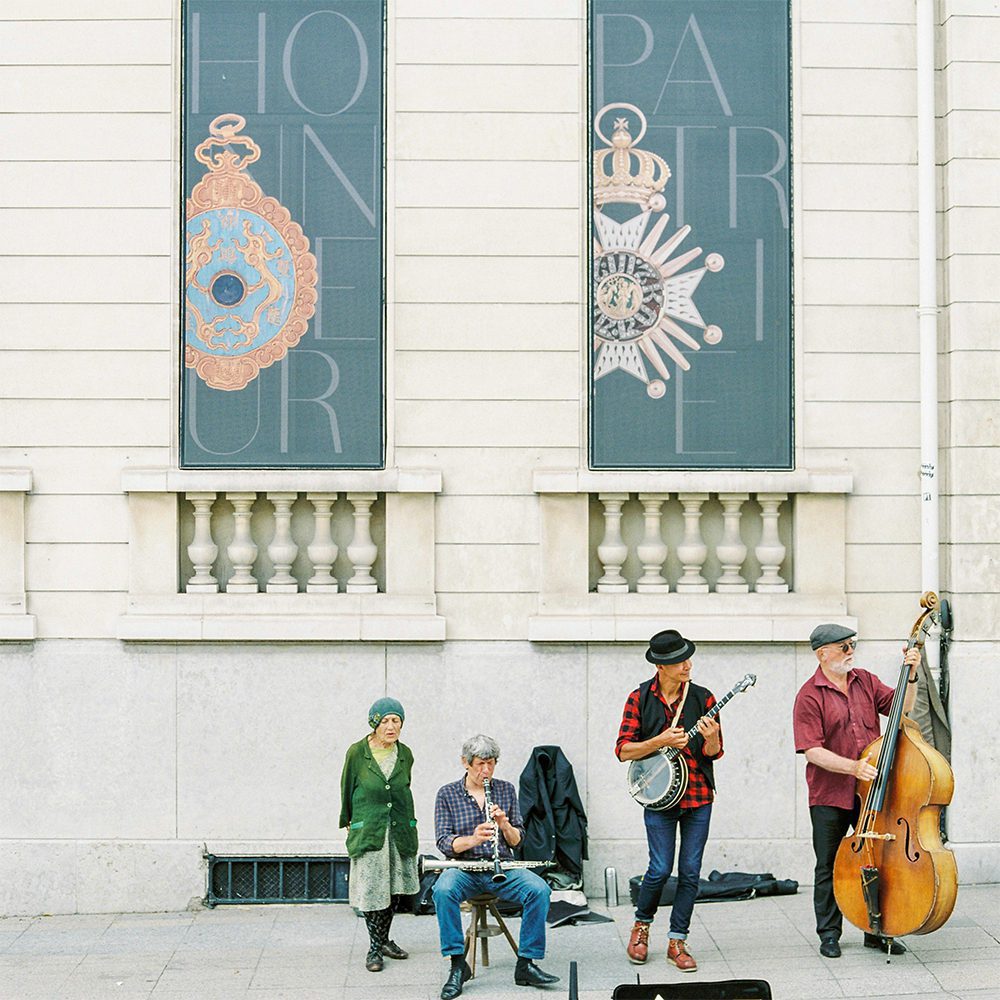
(377,809)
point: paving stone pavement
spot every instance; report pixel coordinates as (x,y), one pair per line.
(318,953)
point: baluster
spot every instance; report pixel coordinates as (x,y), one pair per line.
(282,550)
(612,551)
(652,550)
(731,551)
(770,553)
(242,550)
(322,550)
(692,550)
(202,550)
(362,550)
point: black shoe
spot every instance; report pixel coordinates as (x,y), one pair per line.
(453,984)
(829,947)
(526,973)
(374,961)
(392,950)
(875,941)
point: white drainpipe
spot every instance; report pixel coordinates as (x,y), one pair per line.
(927,308)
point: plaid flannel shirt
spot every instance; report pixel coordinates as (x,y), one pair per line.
(699,792)
(457,814)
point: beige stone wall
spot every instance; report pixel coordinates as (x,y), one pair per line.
(88,199)
(486,227)
(857,289)
(969,140)
(486,184)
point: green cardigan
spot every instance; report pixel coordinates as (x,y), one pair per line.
(369,802)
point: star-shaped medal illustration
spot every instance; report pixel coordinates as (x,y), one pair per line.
(641,291)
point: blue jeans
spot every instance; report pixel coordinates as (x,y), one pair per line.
(661,835)
(522,886)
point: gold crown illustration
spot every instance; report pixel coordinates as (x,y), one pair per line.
(636,175)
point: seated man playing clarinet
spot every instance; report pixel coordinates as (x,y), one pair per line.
(477,821)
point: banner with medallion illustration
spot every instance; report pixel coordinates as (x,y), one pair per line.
(691,307)
(282,253)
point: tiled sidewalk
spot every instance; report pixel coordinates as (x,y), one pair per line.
(318,952)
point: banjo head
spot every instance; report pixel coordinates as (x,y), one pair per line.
(657,782)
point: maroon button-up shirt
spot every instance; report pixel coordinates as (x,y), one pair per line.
(843,723)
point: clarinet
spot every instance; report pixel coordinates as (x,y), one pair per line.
(498,873)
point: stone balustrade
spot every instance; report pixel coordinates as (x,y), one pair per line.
(15,622)
(724,543)
(729,555)
(282,542)
(275,555)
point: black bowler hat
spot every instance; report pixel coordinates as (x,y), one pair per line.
(669,647)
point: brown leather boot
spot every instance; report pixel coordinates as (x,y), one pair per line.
(638,943)
(678,954)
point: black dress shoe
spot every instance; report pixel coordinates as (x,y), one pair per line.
(875,941)
(392,950)
(829,947)
(526,973)
(374,961)
(453,984)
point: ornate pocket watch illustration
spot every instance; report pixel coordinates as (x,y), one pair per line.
(250,280)
(641,294)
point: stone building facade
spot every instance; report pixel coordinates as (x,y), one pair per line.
(487,578)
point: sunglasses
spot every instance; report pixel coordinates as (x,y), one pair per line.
(849,646)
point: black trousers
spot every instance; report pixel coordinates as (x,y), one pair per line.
(829,827)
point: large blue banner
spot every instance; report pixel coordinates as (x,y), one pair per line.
(282,287)
(691,363)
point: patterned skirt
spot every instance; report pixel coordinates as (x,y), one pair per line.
(377,876)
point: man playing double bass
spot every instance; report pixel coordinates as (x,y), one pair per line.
(835,717)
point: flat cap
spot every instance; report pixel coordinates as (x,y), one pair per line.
(823,634)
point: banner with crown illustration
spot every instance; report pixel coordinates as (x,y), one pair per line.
(282,249)
(691,308)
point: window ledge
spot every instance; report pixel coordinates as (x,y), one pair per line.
(168,480)
(16,626)
(706,617)
(282,618)
(15,480)
(709,481)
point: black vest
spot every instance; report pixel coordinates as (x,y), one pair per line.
(653,720)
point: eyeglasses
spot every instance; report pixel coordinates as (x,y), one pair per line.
(849,646)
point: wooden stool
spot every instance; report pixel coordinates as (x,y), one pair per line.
(480,929)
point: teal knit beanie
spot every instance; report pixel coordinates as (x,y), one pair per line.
(382,708)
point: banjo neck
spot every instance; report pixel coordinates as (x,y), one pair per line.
(710,714)
(658,781)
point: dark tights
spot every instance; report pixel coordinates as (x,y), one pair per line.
(379,922)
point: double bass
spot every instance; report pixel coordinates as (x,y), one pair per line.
(893,875)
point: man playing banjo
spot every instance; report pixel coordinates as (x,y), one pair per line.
(658,714)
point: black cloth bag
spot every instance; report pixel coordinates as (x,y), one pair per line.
(723,886)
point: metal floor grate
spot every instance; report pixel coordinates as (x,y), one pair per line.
(269,879)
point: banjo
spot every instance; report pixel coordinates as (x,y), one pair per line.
(660,780)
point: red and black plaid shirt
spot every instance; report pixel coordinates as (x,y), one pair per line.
(699,792)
